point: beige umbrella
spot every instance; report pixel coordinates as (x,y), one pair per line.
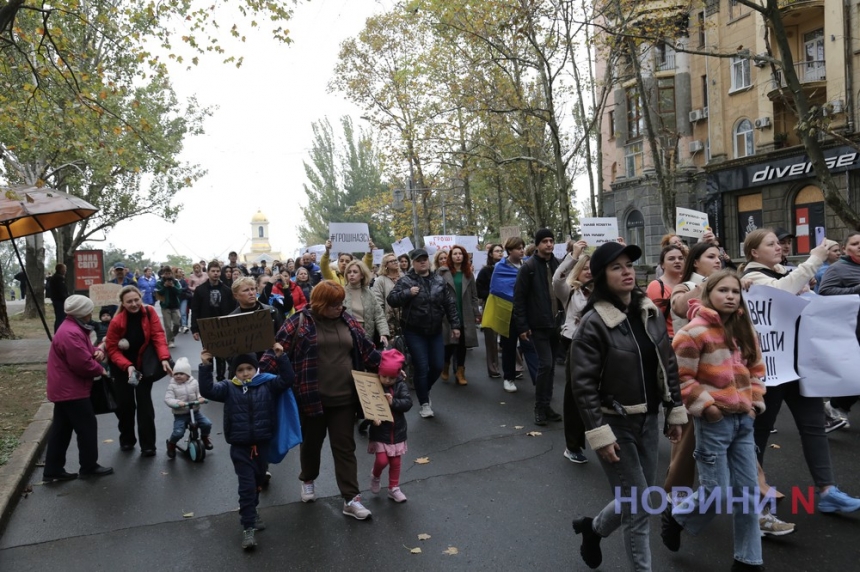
(33,210)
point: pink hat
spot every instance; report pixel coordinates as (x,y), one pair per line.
(391,363)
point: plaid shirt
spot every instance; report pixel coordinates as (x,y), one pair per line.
(301,347)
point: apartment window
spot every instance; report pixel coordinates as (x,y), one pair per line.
(736,10)
(813,56)
(664,56)
(612,127)
(635,119)
(740,73)
(635,225)
(666,102)
(700,28)
(705,91)
(744,139)
(633,159)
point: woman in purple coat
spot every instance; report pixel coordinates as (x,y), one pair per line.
(73,362)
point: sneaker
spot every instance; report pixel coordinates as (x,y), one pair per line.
(575,456)
(171,449)
(769,525)
(425,411)
(171,344)
(259,524)
(519,375)
(774,430)
(834,413)
(248,540)
(267,479)
(738,566)
(374,484)
(510,386)
(831,425)
(355,509)
(308,493)
(837,501)
(552,415)
(396,495)
(494,375)
(590,549)
(670,530)
(540,416)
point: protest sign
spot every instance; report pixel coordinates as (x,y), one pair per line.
(245,333)
(403,246)
(507,232)
(479,259)
(828,354)
(439,242)
(560,250)
(378,253)
(598,230)
(372,397)
(690,223)
(470,243)
(348,236)
(105,294)
(318,249)
(774,314)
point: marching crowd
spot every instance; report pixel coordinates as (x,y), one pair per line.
(684,346)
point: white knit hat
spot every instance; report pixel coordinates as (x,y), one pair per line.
(78,306)
(182,366)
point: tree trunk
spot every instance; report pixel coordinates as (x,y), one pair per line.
(6,332)
(34,261)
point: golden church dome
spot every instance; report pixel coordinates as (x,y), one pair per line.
(259,217)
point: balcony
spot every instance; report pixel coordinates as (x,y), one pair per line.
(811,74)
(664,60)
(799,7)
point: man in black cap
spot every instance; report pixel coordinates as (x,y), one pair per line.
(785,239)
(534,318)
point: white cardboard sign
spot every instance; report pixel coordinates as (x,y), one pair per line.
(403,246)
(439,242)
(378,253)
(349,236)
(690,223)
(774,314)
(598,230)
(828,353)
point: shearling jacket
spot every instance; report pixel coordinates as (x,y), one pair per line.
(606,367)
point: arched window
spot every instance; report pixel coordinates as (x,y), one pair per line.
(260,232)
(635,225)
(744,139)
(808,218)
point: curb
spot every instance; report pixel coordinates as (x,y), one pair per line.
(14,474)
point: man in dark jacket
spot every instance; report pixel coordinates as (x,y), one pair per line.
(58,294)
(534,317)
(170,294)
(212,299)
(426,300)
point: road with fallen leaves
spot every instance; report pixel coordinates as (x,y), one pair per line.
(487,490)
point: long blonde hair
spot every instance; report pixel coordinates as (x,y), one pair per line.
(573,277)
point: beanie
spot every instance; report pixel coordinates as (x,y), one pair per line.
(78,306)
(391,363)
(244,358)
(182,366)
(542,234)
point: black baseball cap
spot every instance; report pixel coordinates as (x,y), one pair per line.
(782,234)
(609,251)
(418,253)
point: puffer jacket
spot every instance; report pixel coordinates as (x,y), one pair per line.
(249,409)
(796,282)
(424,313)
(843,277)
(71,363)
(388,432)
(186,392)
(606,368)
(532,302)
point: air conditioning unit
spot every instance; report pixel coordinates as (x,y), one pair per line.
(696,115)
(838,105)
(762,122)
(759,61)
(696,146)
(705,112)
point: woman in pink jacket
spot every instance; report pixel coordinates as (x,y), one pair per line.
(73,362)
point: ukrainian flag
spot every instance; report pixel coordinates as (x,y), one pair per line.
(500,302)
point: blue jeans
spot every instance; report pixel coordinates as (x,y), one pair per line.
(726,461)
(637,436)
(181,422)
(183,313)
(428,354)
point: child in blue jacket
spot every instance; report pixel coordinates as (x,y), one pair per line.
(250,420)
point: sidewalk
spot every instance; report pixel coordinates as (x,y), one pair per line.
(13,475)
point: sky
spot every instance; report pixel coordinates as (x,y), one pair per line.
(256,140)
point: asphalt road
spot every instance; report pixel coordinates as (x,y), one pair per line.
(502,499)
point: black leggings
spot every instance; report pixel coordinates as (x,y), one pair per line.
(457,351)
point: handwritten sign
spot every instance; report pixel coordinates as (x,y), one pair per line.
(403,246)
(470,243)
(828,354)
(228,336)
(599,230)
(317,249)
(439,242)
(378,253)
(507,232)
(774,314)
(372,397)
(105,294)
(348,236)
(690,223)
(560,250)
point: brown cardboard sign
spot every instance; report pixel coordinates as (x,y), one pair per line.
(245,333)
(105,294)
(372,397)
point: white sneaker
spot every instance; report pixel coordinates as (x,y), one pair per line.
(308,493)
(834,414)
(171,345)
(769,525)
(355,509)
(425,411)
(510,386)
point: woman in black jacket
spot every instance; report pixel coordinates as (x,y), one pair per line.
(617,356)
(495,252)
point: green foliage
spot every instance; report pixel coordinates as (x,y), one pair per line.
(180,261)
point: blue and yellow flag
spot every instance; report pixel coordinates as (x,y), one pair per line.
(500,305)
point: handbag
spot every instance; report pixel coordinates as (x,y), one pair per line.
(102,396)
(288,430)
(151,369)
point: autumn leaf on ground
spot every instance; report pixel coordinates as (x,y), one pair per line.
(519,426)
(163,472)
(187,514)
(774,446)
(424,536)
(422,460)
(451,551)
(108,441)
(534,433)
(412,550)
(501,403)
(502,425)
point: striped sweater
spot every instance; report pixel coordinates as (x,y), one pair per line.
(712,374)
